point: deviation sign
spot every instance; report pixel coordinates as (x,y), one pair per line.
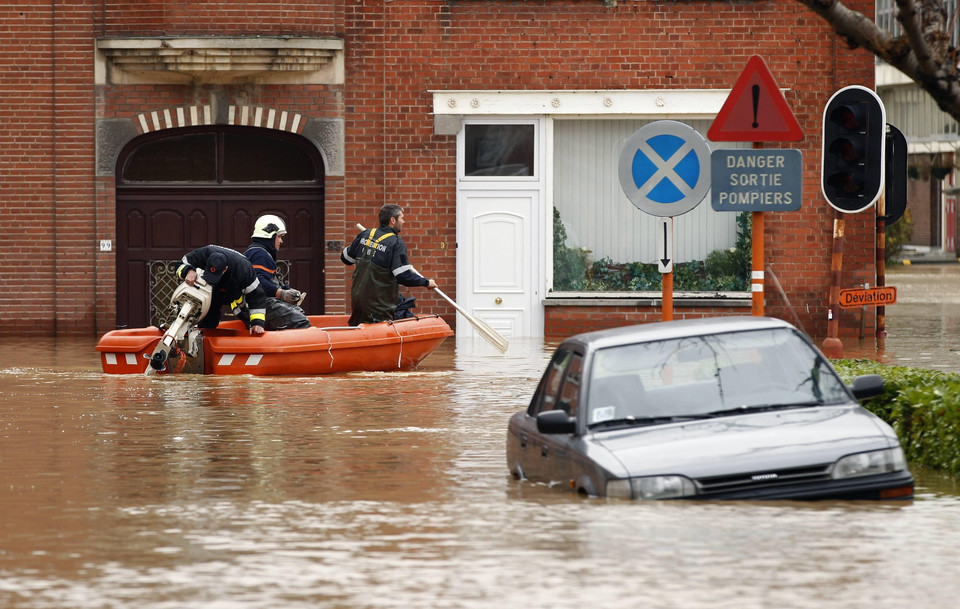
(868,297)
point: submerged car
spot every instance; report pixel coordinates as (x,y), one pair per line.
(720,408)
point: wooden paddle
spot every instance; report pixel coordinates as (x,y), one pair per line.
(482,328)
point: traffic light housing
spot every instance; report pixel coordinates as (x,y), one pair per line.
(854,131)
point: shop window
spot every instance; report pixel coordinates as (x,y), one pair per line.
(603,243)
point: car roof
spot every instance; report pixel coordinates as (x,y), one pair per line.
(662,330)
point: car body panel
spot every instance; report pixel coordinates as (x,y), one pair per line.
(765,440)
(781,453)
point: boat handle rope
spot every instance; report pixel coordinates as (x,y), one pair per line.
(392,322)
(400,356)
(330,342)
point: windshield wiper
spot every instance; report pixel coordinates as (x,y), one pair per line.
(649,420)
(762,408)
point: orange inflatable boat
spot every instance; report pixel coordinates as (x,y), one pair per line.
(328,346)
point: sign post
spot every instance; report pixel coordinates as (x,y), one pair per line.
(664,170)
(665,266)
(756,111)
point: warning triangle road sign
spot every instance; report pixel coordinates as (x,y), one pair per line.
(755,110)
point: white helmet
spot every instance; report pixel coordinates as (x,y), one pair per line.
(269,225)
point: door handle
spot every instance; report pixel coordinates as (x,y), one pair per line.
(523,440)
(543,451)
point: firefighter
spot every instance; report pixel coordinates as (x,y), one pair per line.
(380,256)
(283,309)
(234,283)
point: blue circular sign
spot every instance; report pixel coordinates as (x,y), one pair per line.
(665,168)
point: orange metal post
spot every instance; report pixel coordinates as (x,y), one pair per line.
(667,282)
(756,258)
(756,274)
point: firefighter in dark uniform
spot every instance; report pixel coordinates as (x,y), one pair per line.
(380,256)
(234,283)
(283,311)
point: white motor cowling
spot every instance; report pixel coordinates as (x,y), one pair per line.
(192,303)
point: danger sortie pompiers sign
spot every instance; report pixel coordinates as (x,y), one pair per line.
(869,297)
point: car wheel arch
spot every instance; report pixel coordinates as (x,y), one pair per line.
(585,486)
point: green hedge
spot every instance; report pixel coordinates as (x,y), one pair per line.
(922,406)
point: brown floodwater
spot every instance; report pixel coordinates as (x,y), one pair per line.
(391,490)
(923,327)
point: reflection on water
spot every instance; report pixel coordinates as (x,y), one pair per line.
(391,490)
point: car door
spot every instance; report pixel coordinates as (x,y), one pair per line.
(549,457)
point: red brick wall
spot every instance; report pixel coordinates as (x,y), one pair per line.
(220,17)
(565,320)
(396,54)
(583,45)
(46,170)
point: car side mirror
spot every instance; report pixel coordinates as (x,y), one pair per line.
(867,386)
(556,422)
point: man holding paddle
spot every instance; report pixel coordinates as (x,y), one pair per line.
(380,256)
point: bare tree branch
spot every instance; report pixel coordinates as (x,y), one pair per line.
(923,53)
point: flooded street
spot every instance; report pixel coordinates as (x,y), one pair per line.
(924,324)
(391,490)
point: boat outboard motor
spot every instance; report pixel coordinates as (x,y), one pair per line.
(192,304)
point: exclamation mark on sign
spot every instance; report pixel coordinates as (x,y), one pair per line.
(756,103)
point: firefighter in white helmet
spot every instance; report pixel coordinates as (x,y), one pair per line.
(283,311)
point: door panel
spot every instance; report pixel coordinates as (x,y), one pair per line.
(164,227)
(499,285)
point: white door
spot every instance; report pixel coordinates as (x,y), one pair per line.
(498,260)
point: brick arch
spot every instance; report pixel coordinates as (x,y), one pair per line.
(157,219)
(114,134)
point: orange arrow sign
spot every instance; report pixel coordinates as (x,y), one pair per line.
(755,110)
(872,297)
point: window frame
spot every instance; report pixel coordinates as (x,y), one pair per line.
(537,152)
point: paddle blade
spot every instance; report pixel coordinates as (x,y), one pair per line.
(484,330)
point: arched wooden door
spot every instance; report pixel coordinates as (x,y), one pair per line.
(183,189)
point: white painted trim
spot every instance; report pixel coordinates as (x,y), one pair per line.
(665,103)
(932,147)
(886,75)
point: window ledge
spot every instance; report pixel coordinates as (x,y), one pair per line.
(646,299)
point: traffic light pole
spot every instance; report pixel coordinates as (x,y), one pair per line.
(881,261)
(832,346)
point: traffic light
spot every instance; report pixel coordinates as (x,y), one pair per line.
(895,191)
(854,128)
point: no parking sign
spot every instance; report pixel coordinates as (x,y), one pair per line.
(665,168)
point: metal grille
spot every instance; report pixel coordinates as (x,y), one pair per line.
(753,480)
(164,280)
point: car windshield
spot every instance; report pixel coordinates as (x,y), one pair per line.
(709,376)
